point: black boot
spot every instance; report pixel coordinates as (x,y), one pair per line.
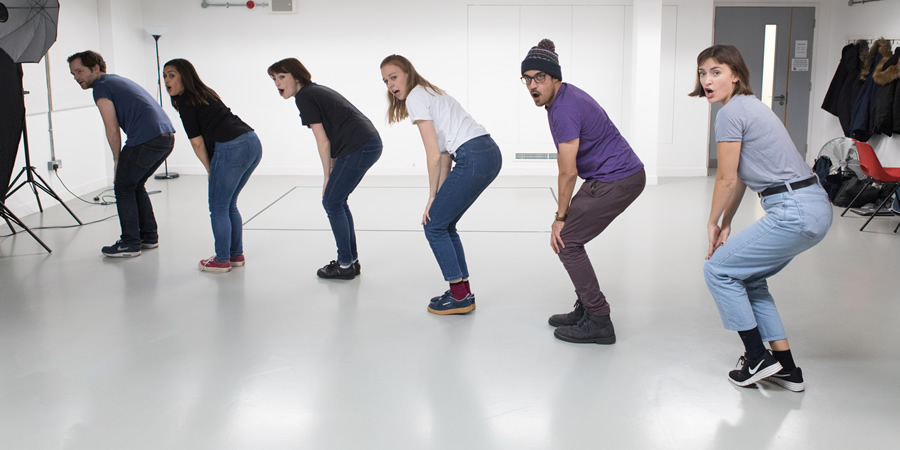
(590,329)
(567,319)
(334,271)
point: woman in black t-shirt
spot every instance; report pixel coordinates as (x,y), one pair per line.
(229,150)
(348,146)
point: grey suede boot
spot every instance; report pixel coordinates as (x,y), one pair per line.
(567,319)
(590,329)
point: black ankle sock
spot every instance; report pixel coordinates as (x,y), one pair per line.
(786,359)
(753,344)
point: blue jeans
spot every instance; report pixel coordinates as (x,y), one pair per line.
(477,163)
(229,170)
(135,165)
(736,274)
(347,172)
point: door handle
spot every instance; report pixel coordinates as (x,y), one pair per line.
(781,99)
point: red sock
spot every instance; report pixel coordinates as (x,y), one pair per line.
(458,290)
(468,289)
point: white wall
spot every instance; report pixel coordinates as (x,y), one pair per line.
(343,41)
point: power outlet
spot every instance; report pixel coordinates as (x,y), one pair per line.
(54,164)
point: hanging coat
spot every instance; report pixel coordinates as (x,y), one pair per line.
(848,67)
(862,118)
(886,75)
(841,103)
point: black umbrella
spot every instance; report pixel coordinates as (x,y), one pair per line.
(28,28)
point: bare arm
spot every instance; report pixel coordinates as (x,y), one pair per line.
(568,175)
(433,161)
(727,195)
(446,164)
(200,150)
(111,124)
(324,146)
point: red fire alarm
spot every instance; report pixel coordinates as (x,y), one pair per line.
(251,4)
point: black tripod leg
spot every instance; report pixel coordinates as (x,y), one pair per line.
(32,183)
(13,190)
(46,188)
(7,215)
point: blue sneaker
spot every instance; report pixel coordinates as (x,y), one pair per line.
(446,305)
(435,299)
(120,250)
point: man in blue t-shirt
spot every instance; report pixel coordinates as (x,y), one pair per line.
(588,145)
(150,139)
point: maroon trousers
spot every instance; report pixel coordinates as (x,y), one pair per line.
(593,208)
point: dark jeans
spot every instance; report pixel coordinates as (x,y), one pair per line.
(135,165)
(229,170)
(476,164)
(346,174)
(593,208)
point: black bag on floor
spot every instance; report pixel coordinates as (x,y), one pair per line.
(850,187)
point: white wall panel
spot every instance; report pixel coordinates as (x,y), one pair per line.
(494,62)
(597,64)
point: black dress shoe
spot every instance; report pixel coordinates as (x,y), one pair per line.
(334,271)
(568,319)
(590,329)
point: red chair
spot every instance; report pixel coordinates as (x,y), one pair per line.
(888,176)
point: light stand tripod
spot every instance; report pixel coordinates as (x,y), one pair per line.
(30,173)
(8,215)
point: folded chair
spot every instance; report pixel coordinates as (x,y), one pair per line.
(888,176)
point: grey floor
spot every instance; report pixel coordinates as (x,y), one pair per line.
(150,353)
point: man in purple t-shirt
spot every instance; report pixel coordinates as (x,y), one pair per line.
(588,145)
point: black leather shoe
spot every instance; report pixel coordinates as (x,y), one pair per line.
(568,319)
(590,329)
(334,271)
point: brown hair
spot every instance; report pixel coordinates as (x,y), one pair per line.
(89,59)
(397,108)
(195,91)
(731,57)
(294,67)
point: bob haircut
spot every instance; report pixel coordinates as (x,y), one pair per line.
(195,91)
(397,108)
(731,57)
(294,67)
(89,59)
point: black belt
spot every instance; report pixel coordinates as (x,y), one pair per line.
(795,185)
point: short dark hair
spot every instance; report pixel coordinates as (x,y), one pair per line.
(89,59)
(294,67)
(731,57)
(195,93)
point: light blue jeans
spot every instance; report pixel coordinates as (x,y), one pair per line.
(230,168)
(736,274)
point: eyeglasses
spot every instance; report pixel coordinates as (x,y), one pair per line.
(540,77)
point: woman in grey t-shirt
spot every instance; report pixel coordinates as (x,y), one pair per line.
(755,151)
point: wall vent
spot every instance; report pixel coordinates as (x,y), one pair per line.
(282,6)
(535,156)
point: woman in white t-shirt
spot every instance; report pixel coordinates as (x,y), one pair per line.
(451,138)
(755,151)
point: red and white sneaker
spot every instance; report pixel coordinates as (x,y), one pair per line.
(238,260)
(211,265)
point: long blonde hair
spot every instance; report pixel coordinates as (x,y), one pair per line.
(396,107)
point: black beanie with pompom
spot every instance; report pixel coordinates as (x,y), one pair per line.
(543,57)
